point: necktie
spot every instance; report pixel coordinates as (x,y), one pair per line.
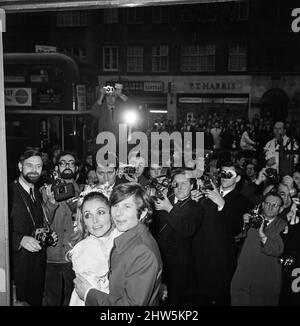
(31,196)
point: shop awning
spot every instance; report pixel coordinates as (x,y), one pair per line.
(42,5)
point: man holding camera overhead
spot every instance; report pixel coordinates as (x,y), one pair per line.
(28,216)
(59,273)
(106,108)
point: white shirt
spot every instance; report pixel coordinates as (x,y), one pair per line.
(272,149)
(25,186)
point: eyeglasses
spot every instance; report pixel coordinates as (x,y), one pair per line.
(227,174)
(64,163)
(271,205)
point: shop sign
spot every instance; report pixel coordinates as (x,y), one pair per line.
(14,79)
(212,86)
(45,49)
(236,100)
(18,96)
(153,86)
(139,85)
(49,96)
(190,100)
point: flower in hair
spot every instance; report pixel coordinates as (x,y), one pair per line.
(104,189)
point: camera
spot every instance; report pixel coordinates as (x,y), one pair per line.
(287,260)
(62,190)
(159,186)
(129,169)
(256,219)
(109,89)
(272,175)
(44,236)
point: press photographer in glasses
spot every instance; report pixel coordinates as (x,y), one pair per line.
(257,279)
(59,273)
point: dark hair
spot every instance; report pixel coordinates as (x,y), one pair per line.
(141,198)
(93,195)
(229,164)
(29,152)
(63,153)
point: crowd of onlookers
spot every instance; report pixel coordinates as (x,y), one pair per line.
(225,235)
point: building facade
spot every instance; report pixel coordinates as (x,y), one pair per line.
(234,58)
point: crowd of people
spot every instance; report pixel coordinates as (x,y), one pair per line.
(110,236)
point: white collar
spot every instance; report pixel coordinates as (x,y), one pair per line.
(25,185)
(225,192)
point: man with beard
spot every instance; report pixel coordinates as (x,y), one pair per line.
(59,273)
(26,215)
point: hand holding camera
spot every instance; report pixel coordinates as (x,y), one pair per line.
(163,204)
(30,244)
(61,189)
(45,237)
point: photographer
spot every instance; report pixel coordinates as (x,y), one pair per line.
(176,220)
(290,259)
(26,215)
(257,278)
(59,273)
(138,163)
(106,108)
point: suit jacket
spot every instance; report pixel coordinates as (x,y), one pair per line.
(235,206)
(28,267)
(257,279)
(135,271)
(174,232)
(213,251)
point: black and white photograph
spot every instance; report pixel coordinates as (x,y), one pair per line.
(150,156)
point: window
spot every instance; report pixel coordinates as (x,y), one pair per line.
(237,57)
(135,16)
(72,18)
(135,59)
(198,58)
(160,14)
(110,16)
(207,12)
(240,10)
(110,58)
(160,58)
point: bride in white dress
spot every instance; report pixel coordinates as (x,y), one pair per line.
(94,240)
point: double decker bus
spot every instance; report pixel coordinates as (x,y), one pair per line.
(48,97)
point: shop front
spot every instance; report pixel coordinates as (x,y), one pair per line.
(226,96)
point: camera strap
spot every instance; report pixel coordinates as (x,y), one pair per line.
(25,202)
(28,209)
